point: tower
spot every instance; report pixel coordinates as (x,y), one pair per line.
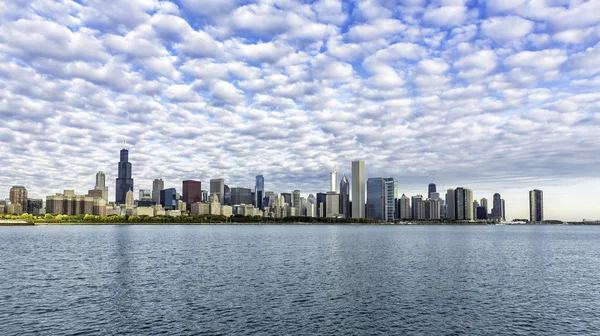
(259,191)
(192,192)
(345,197)
(124,179)
(333,180)
(217,187)
(358,189)
(431,189)
(101,184)
(536,206)
(157,186)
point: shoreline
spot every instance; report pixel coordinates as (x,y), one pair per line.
(23,223)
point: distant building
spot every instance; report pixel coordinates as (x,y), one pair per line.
(215,205)
(168,199)
(403,211)
(287,198)
(484,203)
(450,204)
(332,200)
(482,213)
(503,210)
(311,206)
(296,201)
(432,209)
(217,187)
(380,198)
(241,196)
(34,206)
(18,195)
(101,185)
(497,207)
(431,189)
(145,195)
(191,193)
(68,203)
(198,209)
(129,201)
(333,181)
(124,179)
(259,191)
(358,189)
(321,204)
(418,207)
(345,197)
(536,206)
(157,186)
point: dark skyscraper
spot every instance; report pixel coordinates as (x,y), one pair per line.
(168,198)
(124,180)
(192,193)
(241,196)
(345,197)
(259,191)
(321,204)
(431,189)
(497,207)
(536,206)
(287,198)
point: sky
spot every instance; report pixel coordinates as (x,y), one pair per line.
(497,96)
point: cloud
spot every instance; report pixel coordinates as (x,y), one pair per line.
(508,28)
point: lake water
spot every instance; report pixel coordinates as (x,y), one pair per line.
(300,280)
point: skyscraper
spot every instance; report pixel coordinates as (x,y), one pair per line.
(418,207)
(101,184)
(311,209)
(129,198)
(536,206)
(259,191)
(450,204)
(287,198)
(431,189)
(168,198)
(296,201)
(192,193)
(358,189)
(321,204)
(484,203)
(503,210)
(463,204)
(345,197)
(124,179)
(332,201)
(145,195)
(404,207)
(241,196)
(157,186)
(18,195)
(333,181)
(497,207)
(217,187)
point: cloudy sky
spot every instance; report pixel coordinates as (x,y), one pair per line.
(499,96)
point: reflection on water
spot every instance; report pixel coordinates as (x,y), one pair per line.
(299,280)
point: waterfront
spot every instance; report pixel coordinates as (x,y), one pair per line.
(273,279)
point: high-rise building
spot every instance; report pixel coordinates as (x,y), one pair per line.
(311,206)
(34,206)
(358,189)
(484,203)
(145,195)
(124,179)
(101,184)
(332,204)
(497,207)
(333,181)
(503,210)
(191,193)
(168,198)
(450,204)
(157,186)
(482,213)
(432,209)
(463,204)
(227,197)
(287,198)
(536,206)
(321,204)
(345,197)
(18,195)
(418,207)
(431,189)
(217,187)
(129,198)
(259,191)
(403,211)
(296,201)
(241,196)
(475,206)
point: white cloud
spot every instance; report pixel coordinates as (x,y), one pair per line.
(445,16)
(508,28)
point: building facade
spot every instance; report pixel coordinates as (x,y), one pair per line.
(18,195)
(358,189)
(217,187)
(157,186)
(191,193)
(345,197)
(124,182)
(259,191)
(536,206)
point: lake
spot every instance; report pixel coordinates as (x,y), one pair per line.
(300,280)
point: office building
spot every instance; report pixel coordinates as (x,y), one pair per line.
(191,193)
(145,195)
(380,198)
(358,189)
(432,209)
(417,207)
(333,181)
(157,186)
(497,207)
(287,198)
(259,191)
(450,204)
(129,201)
(345,197)
(168,199)
(296,201)
(484,203)
(332,202)
(431,189)
(503,210)
(482,213)
(536,206)
(101,185)
(124,182)
(217,187)
(311,206)
(34,206)
(68,203)
(321,204)
(18,195)
(241,196)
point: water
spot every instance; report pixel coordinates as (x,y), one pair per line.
(277,280)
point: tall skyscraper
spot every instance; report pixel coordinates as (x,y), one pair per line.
(484,203)
(332,201)
(358,189)
(450,204)
(418,207)
(431,189)
(241,196)
(217,187)
(296,201)
(536,206)
(129,198)
(287,198)
(403,211)
(101,184)
(503,210)
(259,191)
(463,204)
(345,197)
(124,179)
(157,186)
(168,198)
(18,195)
(497,207)
(321,204)
(333,180)
(191,193)
(311,206)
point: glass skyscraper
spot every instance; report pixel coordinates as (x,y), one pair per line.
(124,180)
(259,191)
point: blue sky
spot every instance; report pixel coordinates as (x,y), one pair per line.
(499,96)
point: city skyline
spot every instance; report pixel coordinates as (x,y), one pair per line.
(289,90)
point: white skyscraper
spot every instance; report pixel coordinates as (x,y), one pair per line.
(359,189)
(101,184)
(157,186)
(333,178)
